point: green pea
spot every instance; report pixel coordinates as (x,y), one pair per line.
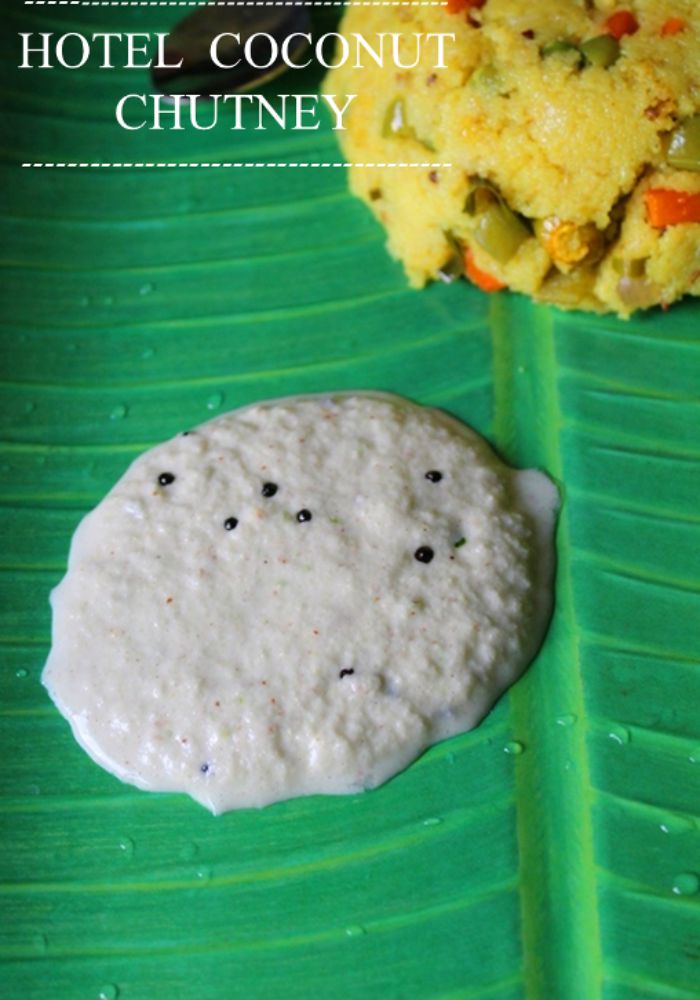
(603,51)
(684,147)
(500,232)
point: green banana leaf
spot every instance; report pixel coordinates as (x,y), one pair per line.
(552,853)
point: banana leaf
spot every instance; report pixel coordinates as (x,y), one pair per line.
(551,853)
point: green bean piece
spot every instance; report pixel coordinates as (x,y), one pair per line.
(603,51)
(487,80)
(453,268)
(684,147)
(482,195)
(633,267)
(395,122)
(567,50)
(395,125)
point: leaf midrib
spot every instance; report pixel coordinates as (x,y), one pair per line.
(562,953)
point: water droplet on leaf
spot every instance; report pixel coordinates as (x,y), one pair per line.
(355,931)
(127,846)
(619,735)
(677,824)
(686,884)
(514,747)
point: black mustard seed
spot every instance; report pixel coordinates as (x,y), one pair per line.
(304,515)
(166,478)
(230,523)
(346,673)
(434,476)
(424,554)
(269,489)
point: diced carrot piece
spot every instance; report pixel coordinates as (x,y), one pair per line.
(672,26)
(621,22)
(671,208)
(457,6)
(482,279)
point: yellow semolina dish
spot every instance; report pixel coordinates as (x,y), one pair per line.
(571,131)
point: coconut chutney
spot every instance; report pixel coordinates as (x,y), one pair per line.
(298,597)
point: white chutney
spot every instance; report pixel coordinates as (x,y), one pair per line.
(298,597)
